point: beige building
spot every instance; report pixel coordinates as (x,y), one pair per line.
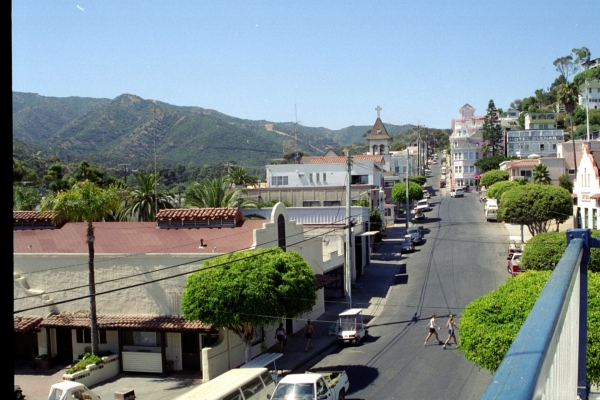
(586,190)
(141,270)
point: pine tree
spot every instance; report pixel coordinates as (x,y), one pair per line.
(492,131)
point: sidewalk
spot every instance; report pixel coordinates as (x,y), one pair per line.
(368,293)
(515,229)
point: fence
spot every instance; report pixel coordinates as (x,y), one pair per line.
(548,357)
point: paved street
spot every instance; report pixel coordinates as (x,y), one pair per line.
(462,258)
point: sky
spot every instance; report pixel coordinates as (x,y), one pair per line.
(333,61)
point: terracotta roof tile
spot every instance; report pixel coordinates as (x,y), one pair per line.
(342,160)
(26,323)
(30,216)
(170,323)
(199,213)
(323,280)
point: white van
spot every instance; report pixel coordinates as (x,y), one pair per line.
(235,384)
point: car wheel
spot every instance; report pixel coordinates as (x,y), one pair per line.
(342,395)
(355,342)
(340,343)
(18,395)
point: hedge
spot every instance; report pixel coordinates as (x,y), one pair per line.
(543,252)
(490,323)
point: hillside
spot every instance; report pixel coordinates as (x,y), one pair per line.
(126,129)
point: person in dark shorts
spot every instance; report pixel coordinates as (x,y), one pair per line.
(452,327)
(432,325)
(281,336)
(309,331)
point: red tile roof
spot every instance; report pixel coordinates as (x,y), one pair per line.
(135,237)
(30,216)
(165,323)
(26,323)
(342,160)
(324,280)
(200,213)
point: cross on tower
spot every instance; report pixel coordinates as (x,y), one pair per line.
(378,109)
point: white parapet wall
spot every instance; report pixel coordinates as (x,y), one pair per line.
(94,374)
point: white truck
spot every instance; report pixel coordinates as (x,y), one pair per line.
(491,209)
(458,192)
(331,385)
(68,390)
(423,205)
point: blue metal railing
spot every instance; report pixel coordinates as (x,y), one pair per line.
(548,357)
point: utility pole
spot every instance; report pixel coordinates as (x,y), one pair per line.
(587,108)
(155,175)
(418,151)
(125,170)
(349,232)
(407,210)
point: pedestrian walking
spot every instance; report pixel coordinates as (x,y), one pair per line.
(432,325)
(309,331)
(281,336)
(452,327)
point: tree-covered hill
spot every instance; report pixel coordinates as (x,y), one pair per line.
(126,130)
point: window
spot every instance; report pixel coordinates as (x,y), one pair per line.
(141,338)
(387,212)
(310,179)
(360,180)
(279,180)
(317,175)
(333,203)
(526,174)
(585,224)
(594,218)
(541,147)
(260,334)
(85,335)
(311,204)
(324,177)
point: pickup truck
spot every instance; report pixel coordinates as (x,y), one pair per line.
(68,390)
(332,385)
(514,264)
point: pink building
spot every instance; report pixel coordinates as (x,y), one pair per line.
(466,147)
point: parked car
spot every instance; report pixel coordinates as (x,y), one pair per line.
(419,216)
(407,245)
(456,192)
(351,327)
(514,264)
(515,245)
(415,234)
(66,390)
(426,194)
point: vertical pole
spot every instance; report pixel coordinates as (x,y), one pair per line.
(587,108)
(349,232)
(407,210)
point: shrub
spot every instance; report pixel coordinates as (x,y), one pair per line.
(490,323)
(543,252)
(88,359)
(495,191)
(493,176)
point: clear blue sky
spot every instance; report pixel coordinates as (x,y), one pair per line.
(336,60)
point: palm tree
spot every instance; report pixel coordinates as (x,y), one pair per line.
(541,175)
(568,95)
(84,201)
(239,177)
(218,192)
(141,204)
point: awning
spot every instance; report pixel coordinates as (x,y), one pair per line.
(370,233)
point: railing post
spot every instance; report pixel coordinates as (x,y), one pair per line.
(588,242)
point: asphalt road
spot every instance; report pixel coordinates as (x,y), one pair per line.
(460,260)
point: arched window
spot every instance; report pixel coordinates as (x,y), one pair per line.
(382,149)
(281,232)
(375,149)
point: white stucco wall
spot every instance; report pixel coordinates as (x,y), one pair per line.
(298,175)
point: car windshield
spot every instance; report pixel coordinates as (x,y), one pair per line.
(292,391)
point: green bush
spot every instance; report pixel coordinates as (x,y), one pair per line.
(493,176)
(490,323)
(88,359)
(543,252)
(495,191)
